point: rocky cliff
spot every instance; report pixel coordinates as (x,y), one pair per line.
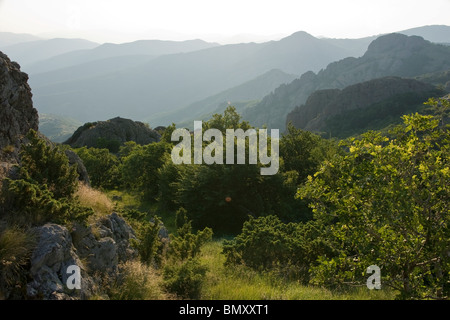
(17,115)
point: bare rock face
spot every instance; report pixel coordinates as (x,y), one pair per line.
(105,244)
(17,115)
(50,261)
(97,250)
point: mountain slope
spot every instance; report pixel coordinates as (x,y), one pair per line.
(434,33)
(389,55)
(254,89)
(57,128)
(359,107)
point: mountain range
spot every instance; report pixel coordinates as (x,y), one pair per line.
(162,82)
(389,55)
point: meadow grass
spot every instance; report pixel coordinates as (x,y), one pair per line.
(242,283)
(94,199)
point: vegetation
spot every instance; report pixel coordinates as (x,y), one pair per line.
(308,232)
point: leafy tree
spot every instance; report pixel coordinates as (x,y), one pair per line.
(140,168)
(102,167)
(303,152)
(387,203)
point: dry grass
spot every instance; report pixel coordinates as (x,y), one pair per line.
(139,282)
(94,199)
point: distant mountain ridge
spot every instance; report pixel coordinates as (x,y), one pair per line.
(351,107)
(150,48)
(389,55)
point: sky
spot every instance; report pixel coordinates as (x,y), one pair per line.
(211,20)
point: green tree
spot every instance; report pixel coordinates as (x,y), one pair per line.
(140,168)
(387,203)
(102,166)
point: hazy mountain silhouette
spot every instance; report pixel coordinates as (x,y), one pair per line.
(9,38)
(172,81)
(435,33)
(151,48)
(30,52)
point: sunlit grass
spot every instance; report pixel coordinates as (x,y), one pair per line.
(242,283)
(94,199)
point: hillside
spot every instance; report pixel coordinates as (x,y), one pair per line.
(361,107)
(57,128)
(389,55)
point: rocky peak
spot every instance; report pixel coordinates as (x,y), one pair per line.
(395,42)
(118,130)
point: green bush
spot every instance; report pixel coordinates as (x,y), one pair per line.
(266,243)
(45,189)
(28,203)
(44,164)
(185,278)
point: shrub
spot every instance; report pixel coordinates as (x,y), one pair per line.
(44,164)
(266,243)
(185,279)
(28,203)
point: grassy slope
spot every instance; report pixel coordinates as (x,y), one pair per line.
(241,283)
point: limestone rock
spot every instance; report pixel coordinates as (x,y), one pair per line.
(50,260)
(17,115)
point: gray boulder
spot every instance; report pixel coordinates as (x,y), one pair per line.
(50,261)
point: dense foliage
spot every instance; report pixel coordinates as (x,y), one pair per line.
(44,190)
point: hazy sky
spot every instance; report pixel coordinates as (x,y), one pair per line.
(119,21)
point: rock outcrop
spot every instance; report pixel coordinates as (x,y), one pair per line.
(114,132)
(97,250)
(17,114)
